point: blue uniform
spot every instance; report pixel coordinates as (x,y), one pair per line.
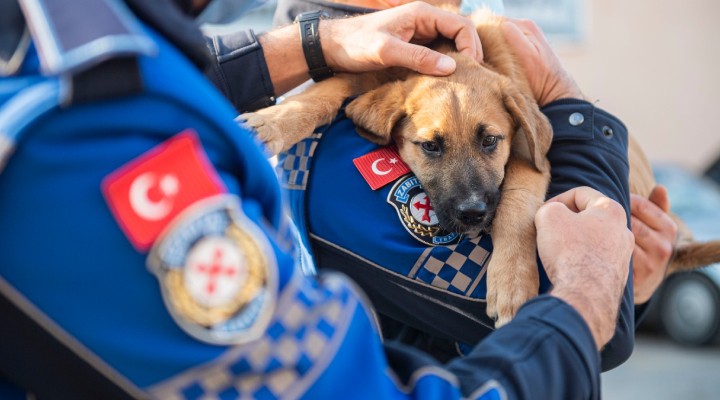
(433,297)
(430,290)
(148,228)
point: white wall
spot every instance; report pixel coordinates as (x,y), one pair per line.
(656,65)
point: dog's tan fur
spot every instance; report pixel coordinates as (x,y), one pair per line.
(459,112)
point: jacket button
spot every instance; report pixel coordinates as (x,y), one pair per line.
(607,131)
(576,119)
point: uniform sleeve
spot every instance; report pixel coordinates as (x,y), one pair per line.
(239,70)
(590,149)
(547,351)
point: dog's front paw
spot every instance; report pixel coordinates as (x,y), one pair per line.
(267,128)
(509,285)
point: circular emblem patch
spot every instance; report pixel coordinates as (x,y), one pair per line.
(417,214)
(217,272)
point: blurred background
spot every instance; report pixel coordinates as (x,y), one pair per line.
(655,64)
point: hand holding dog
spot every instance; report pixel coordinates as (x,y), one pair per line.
(655,235)
(585,246)
(393,38)
(549,81)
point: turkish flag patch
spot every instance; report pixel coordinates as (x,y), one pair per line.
(145,194)
(381,166)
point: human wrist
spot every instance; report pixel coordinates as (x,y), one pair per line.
(563,86)
(284,58)
(596,318)
(310,37)
(560,93)
(327,30)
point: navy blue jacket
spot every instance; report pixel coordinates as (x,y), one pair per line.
(71,260)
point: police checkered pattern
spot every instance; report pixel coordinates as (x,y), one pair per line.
(293,167)
(298,345)
(457,268)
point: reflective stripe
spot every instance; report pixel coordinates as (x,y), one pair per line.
(113,33)
(491,390)
(22,109)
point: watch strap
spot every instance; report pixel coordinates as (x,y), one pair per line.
(310,36)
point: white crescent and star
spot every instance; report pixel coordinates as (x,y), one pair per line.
(153,210)
(378,171)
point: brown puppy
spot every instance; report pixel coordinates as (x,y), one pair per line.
(472,139)
(477,142)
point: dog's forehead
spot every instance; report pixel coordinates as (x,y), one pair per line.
(446,106)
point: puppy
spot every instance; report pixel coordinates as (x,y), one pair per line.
(477,142)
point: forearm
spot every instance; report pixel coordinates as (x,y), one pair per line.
(594,153)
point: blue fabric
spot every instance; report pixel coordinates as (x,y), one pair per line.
(332,202)
(62,249)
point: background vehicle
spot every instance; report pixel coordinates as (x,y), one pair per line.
(687,305)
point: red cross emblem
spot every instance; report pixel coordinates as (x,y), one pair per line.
(426,207)
(422,210)
(215,271)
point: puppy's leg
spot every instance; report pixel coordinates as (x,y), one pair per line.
(296,118)
(513,272)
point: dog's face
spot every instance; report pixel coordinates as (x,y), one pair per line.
(456,134)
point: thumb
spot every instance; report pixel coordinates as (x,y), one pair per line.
(422,59)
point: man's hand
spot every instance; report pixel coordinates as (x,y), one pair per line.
(549,81)
(585,246)
(655,235)
(393,38)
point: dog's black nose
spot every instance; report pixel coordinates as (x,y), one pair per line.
(472,213)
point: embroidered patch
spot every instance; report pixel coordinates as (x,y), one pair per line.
(149,191)
(417,214)
(217,271)
(381,166)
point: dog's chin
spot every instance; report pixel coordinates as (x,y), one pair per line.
(469,231)
(472,233)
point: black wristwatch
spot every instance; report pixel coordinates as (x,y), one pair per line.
(310,36)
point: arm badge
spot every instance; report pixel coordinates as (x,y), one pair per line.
(217,271)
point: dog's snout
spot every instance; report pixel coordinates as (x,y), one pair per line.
(472,213)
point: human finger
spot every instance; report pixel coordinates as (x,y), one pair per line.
(659,196)
(655,242)
(393,3)
(518,40)
(651,214)
(582,198)
(452,26)
(419,58)
(528,26)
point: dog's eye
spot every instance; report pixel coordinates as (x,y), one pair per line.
(489,141)
(430,147)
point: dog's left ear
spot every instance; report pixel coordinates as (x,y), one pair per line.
(377,112)
(534,134)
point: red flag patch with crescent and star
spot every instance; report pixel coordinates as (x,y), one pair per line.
(381,166)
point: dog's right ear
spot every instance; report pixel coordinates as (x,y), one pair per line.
(535,136)
(377,112)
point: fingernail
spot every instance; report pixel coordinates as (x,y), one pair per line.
(445,65)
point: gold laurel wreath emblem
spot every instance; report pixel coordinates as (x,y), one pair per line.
(183,302)
(416,227)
